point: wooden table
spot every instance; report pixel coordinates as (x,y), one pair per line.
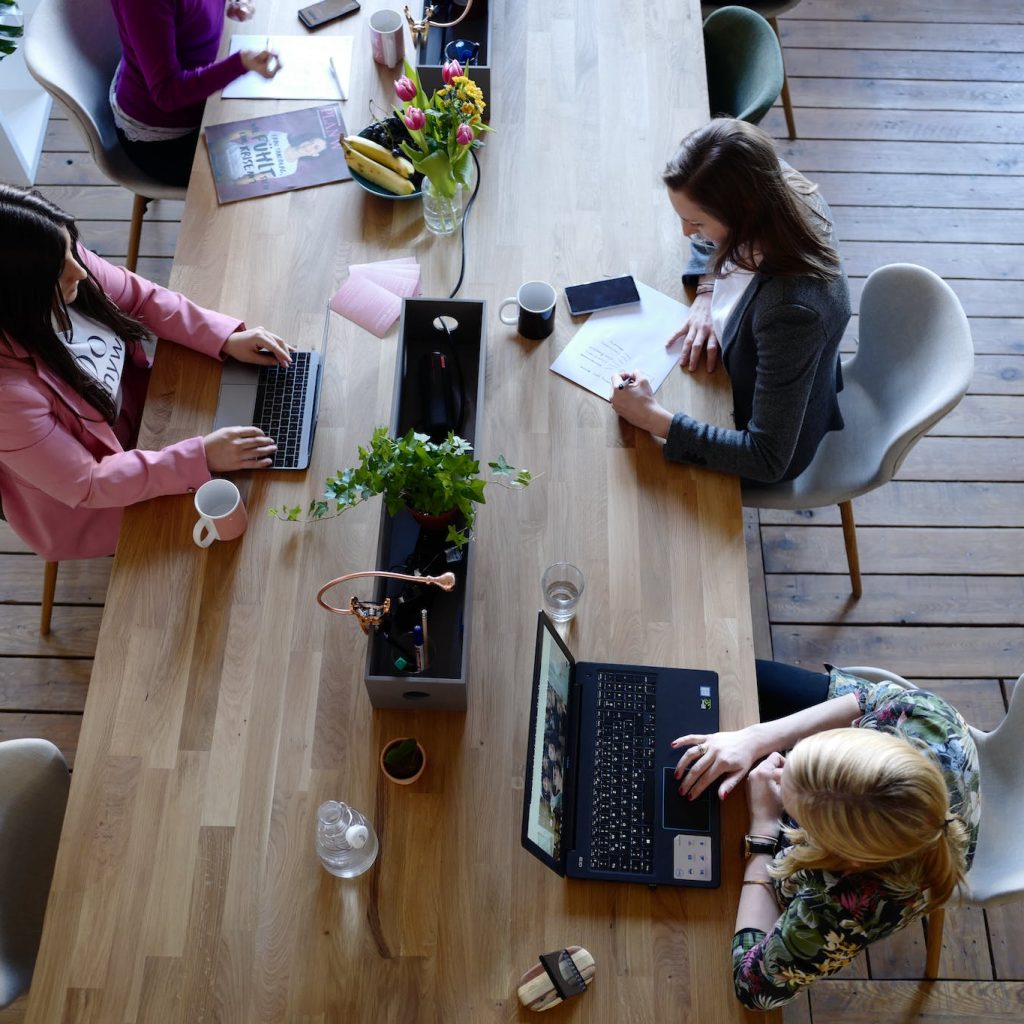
(224,706)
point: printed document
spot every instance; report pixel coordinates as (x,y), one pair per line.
(625,338)
(305,68)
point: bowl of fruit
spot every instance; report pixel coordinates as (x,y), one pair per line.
(376,162)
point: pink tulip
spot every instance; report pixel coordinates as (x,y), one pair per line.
(464,136)
(414,119)
(405,88)
(453,69)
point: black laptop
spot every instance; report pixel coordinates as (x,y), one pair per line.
(601,800)
(283,401)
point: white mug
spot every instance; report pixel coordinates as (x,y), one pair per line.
(387,37)
(222,514)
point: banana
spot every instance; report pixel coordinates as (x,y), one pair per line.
(377,173)
(375,151)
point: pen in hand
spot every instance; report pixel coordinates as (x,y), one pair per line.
(626,382)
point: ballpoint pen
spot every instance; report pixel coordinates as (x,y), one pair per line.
(417,642)
(275,62)
(626,382)
(337,79)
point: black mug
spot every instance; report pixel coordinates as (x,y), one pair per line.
(536,302)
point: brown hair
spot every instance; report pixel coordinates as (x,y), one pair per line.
(870,801)
(730,169)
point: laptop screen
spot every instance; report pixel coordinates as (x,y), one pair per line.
(547,767)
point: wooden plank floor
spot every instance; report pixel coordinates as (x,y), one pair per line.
(911,116)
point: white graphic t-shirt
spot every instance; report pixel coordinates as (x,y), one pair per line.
(98,351)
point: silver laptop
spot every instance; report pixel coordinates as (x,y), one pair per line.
(282,401)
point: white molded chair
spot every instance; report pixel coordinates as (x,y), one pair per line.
(72,48)
(33,794)
(913,365)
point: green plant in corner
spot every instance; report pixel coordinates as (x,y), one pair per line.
(12,22)
(430,478)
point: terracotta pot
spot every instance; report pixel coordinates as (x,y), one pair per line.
(412,778)
(429,522)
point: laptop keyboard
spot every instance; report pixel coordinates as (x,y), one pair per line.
(622,829)
(280,402)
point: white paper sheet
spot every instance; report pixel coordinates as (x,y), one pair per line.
(305,68)
(626,338)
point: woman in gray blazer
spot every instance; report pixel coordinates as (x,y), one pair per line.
(770,285)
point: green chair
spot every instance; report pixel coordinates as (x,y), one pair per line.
(744,64)
(769,9)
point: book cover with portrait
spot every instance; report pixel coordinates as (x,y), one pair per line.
(259,156)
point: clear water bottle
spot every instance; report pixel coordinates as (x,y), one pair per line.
(345,840)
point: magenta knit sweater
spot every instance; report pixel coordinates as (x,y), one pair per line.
(169,63)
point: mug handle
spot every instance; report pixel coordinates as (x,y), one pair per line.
(197,533)
(513,301)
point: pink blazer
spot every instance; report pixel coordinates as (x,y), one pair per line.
(64,476)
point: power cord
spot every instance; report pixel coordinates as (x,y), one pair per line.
(465,220)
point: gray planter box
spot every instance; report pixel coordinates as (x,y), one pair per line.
(403,545)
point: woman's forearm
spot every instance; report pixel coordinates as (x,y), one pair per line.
(783,733)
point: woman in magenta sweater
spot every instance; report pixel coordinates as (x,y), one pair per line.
(168,68)
(73,379)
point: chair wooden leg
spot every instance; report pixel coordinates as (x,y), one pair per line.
(139,208)
(787,104)
(933,942)
(850,538)
(49,589)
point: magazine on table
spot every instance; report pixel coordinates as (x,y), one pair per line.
(259,156)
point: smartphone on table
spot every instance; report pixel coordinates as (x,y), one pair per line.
(320,14)
(603,294)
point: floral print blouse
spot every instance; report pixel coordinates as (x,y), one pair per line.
(829,918)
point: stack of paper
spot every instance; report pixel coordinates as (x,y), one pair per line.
(372,295)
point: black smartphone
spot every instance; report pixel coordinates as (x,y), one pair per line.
(610,291)
(318,15)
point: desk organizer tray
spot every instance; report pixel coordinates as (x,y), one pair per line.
(476,27)
(404,545)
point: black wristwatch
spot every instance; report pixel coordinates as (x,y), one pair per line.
(759,844)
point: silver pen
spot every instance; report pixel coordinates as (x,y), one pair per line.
(337,79)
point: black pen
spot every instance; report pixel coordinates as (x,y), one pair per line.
(625,383)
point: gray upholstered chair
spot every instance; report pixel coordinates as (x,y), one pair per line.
(72,48)
(769,10)
(744,64)
(913,364)
(33,794)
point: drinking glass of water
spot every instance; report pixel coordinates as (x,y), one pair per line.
(562,585)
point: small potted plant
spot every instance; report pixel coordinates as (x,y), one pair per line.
(403,760)
(440,483)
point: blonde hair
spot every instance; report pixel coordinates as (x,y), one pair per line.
(871,801)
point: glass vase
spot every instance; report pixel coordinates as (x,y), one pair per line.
(442,214)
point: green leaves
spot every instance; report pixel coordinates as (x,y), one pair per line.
(415,472)
(11,27)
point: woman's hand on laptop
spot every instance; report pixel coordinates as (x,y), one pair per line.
(708,757)
(233,448)
(258,346)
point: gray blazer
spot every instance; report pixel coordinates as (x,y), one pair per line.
(781,350)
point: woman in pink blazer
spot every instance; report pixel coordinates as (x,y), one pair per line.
(73,378)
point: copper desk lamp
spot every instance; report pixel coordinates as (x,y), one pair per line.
(370,613)
(420,29)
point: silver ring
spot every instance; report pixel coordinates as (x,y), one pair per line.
(702,749)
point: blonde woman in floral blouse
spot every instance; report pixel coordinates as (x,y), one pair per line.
(868,822)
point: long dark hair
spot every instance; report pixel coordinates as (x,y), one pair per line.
(730,169)
(31,262)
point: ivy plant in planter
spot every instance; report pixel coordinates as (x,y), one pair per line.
(431,479)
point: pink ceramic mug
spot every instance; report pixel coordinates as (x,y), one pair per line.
(387,37)
(222,515)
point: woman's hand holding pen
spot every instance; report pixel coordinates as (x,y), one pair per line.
(263,62)
(698,336)
(633,400)
(258,346)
